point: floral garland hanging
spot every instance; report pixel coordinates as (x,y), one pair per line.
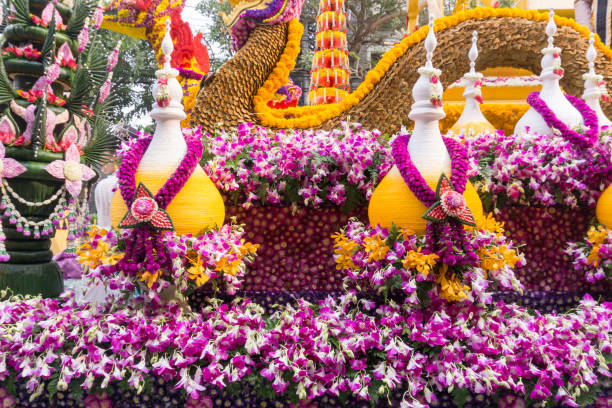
(145,250)
(445,236)
(590,120)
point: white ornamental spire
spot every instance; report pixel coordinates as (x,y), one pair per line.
(594,87)
(168,146)
(426,147)
(472,119)
(551,93)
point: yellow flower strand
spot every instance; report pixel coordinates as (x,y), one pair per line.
(312,116)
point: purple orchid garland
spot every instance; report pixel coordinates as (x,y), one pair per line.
(144,248)
(590,137)
(446,239)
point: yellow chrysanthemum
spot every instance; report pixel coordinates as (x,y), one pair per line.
(421,262)
(376,248)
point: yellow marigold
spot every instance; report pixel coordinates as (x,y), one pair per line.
(421,262)
(376,248)
(451,288)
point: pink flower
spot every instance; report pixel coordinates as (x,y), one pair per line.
(201,402)
(6,400)
(71,170)
(9,168)
(98,16)
(83,38)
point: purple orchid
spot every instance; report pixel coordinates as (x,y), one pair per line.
(71,170)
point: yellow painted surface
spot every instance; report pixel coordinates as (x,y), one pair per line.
(393,202)
(197,206)
(58,242)
(474,127)
(492,94)
(603,211)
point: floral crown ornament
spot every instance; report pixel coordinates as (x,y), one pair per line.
(144,210)
(163,96)
(449,203)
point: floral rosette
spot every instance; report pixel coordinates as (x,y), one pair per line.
(593,255)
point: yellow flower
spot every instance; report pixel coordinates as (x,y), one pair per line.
(421,262)
(593,258)
(406,234)
(451,288)
(344,248)
(150,278)
(489,223)
(597,235)
(494,258)
(225,266)
(248,248)
(376,248)
(197,272)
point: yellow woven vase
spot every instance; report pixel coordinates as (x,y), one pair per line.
(393,203)
(603,211)
(196,207)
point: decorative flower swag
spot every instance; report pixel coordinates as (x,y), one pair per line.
(499,81)
(313,116)
(344,346)
(313,168)
(537,170)
(400,264)
(219,256)
(593,255)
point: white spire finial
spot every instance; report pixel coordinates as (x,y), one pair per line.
(430,43)
(473,54)
(167,47)
(591,54)
(551,28)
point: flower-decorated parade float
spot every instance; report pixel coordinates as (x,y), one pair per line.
(287,256)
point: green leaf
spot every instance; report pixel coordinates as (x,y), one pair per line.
(80,12)
(7,93)
(52,384)
(101,147)
(587,397)
(291,191)
(80,94)
(96,65)
(460,396)
(22,12)
(10,383)
(354,198)
(75,389)
(47,52)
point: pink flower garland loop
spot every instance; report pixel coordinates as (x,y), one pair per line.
(590,137)
(445,236)
(145,249)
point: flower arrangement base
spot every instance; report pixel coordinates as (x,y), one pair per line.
(296,248)
(30,268)
(544,233)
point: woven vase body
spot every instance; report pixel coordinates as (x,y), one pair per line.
(603,211)
(393,203)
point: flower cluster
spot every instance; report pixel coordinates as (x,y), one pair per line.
(340,167)
(35,95)
(397,261)
(532,169)
(342,346)
(59,25)
(216,255)
(27,51)
(497,81)
(593,255)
